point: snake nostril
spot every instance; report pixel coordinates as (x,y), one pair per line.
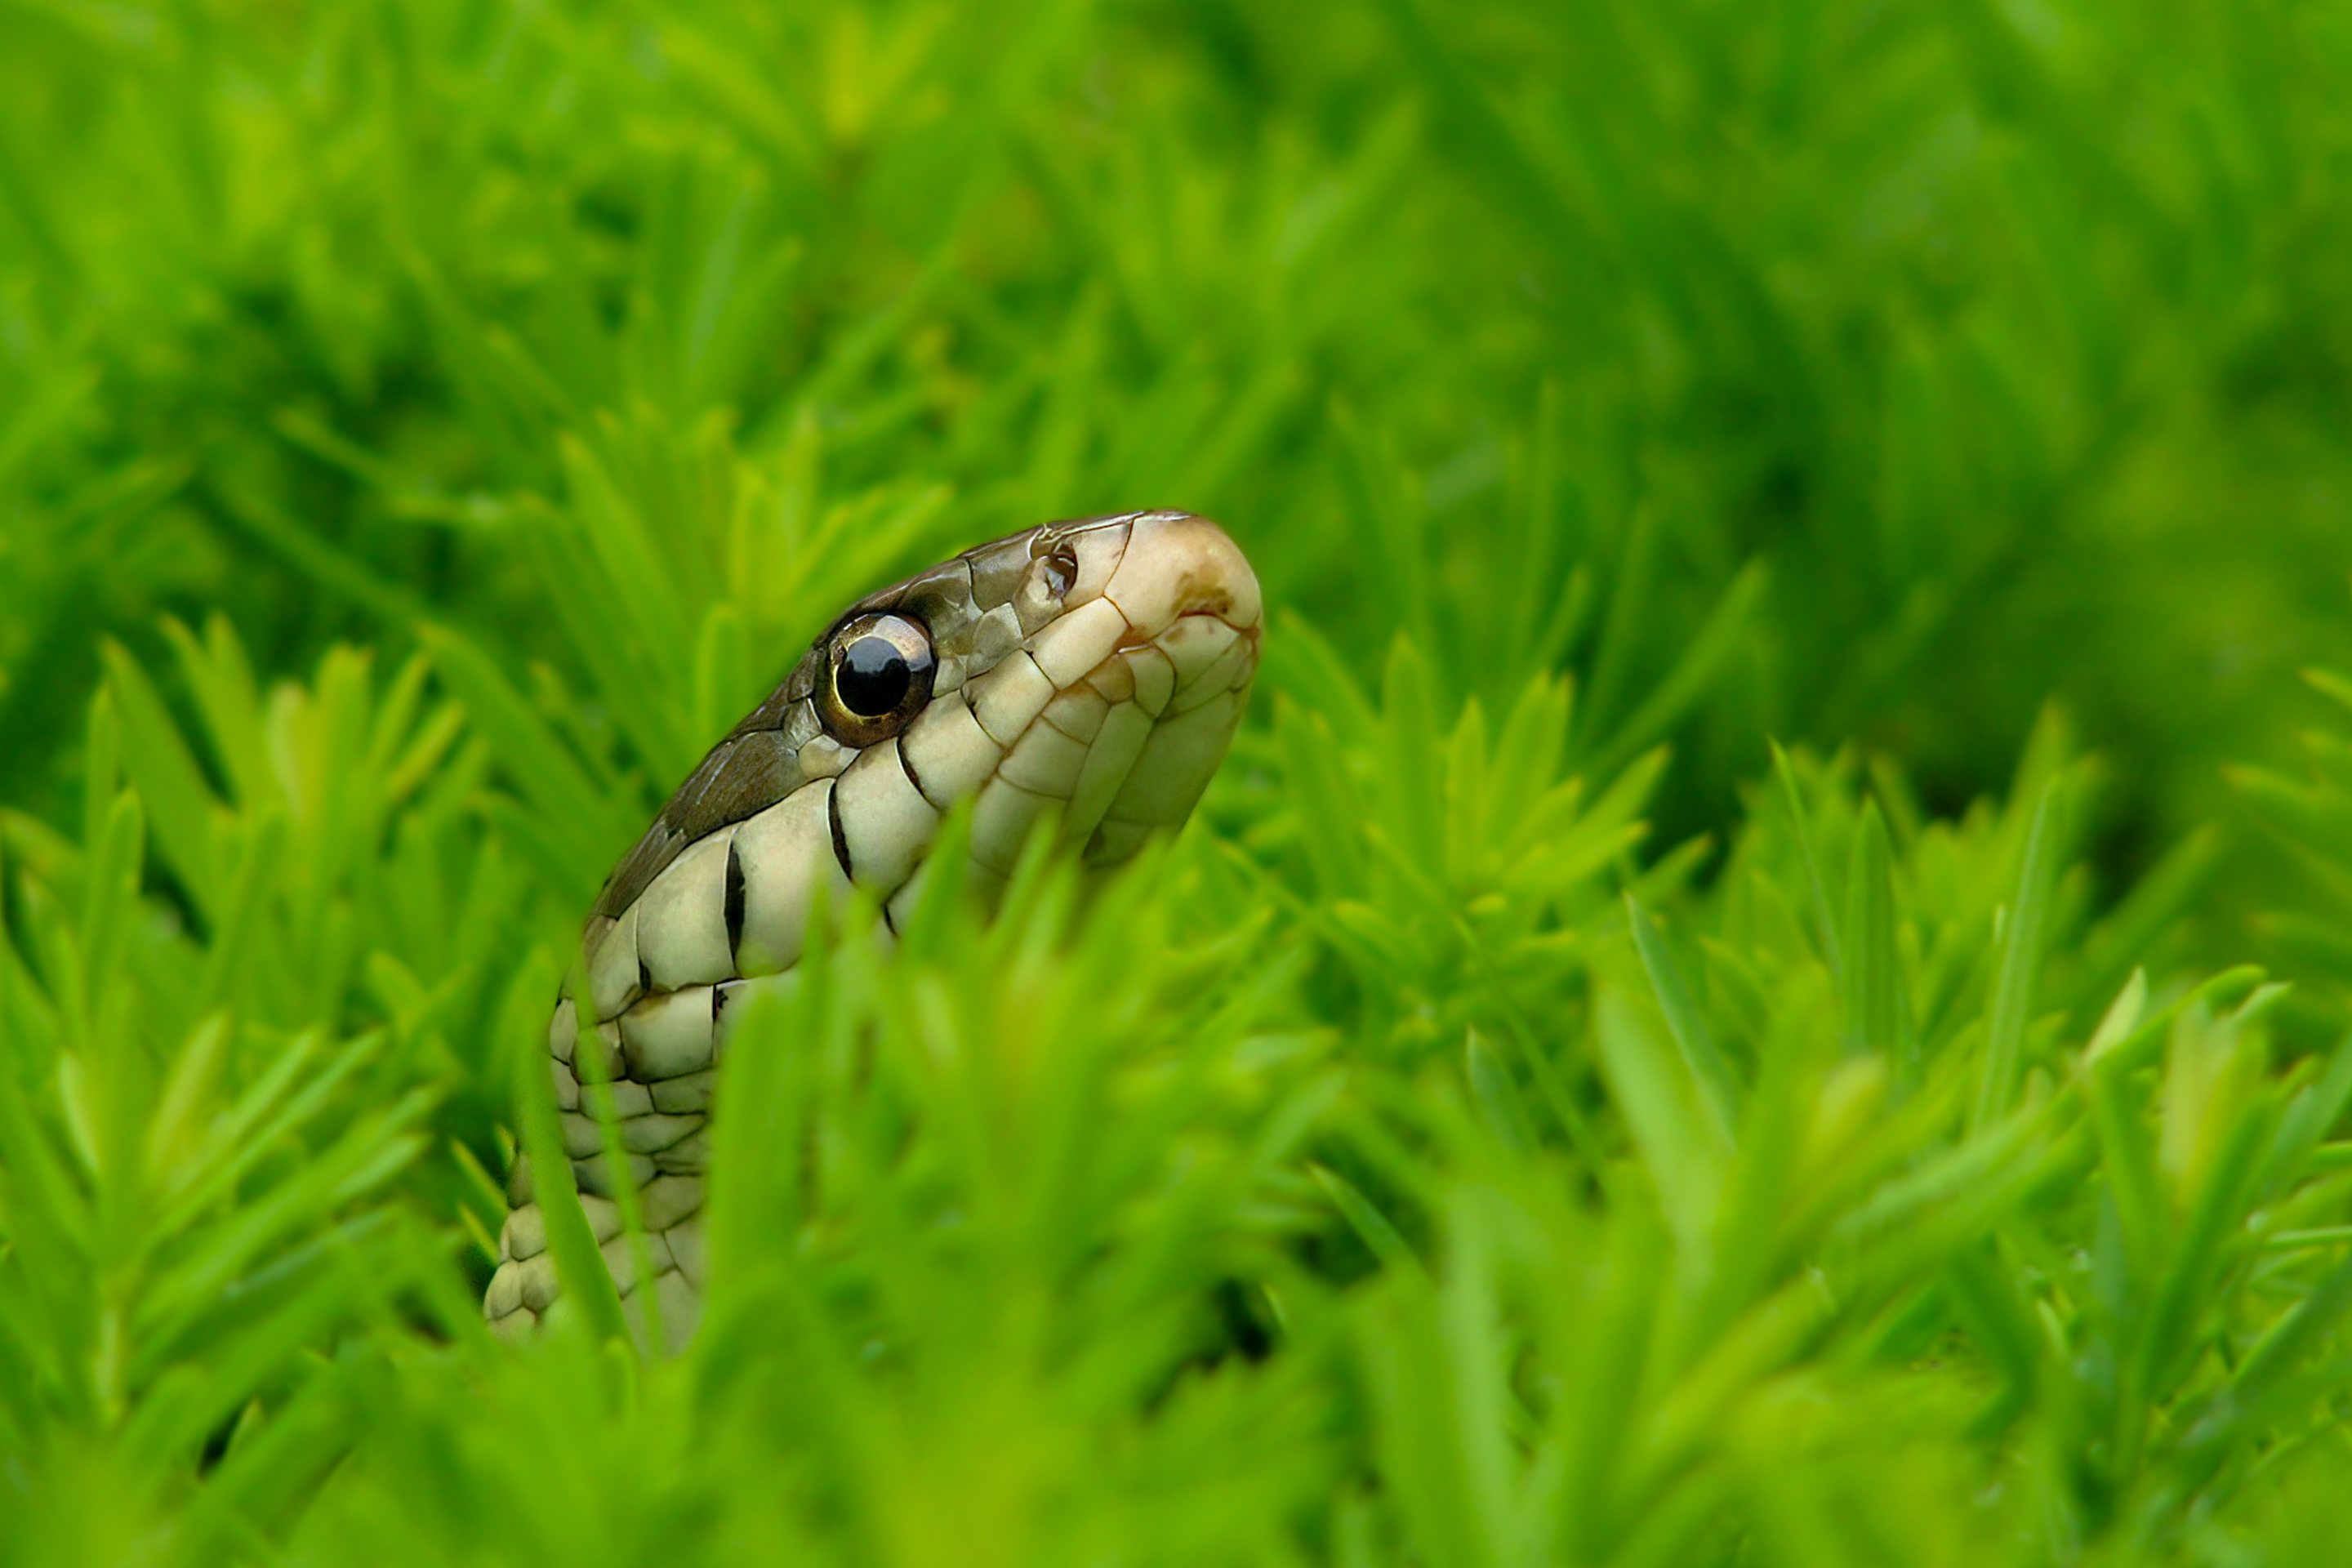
(1061,570)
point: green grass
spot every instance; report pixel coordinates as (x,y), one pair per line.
(1768,982)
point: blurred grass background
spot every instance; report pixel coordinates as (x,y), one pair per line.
(422,428)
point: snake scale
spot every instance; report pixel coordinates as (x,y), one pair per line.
(1095,668)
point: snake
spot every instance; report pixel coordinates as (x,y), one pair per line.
(1091,671)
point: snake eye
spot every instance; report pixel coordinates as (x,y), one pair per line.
(876,676)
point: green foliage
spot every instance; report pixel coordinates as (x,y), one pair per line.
(1707,1019)
(2310,818)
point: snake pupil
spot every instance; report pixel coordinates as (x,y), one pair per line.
(874,677)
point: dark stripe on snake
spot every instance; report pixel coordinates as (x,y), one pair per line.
(906,766)
(840,838)
(734,899)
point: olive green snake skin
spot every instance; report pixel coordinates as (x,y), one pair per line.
(1095,669)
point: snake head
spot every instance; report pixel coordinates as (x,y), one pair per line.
(1092,669)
